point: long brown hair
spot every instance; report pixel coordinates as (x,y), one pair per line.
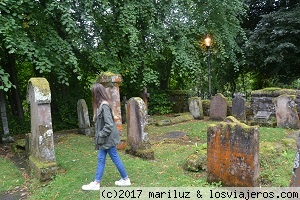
(99,95)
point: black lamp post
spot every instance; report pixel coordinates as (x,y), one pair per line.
(207,42)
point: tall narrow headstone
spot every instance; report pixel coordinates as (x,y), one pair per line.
(233,153)
(195,107)
(218,107)
(137,138)
(239,107)
(286,111)
(112,82)
(83,118)
(42,159)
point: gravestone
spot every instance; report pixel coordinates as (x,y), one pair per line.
(218,107)
(195,107)
(286,111)
(42,161)
(137,138)
(262,100)
(295,181)
(239,107)
(83,118)
(112,82)
(233,153)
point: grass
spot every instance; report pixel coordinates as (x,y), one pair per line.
(10,175)
(76,159)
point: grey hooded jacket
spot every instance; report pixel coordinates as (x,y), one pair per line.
(106,131)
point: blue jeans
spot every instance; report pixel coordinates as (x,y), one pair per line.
(113,153)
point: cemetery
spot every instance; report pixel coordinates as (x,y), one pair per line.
(179,94)
(229,148)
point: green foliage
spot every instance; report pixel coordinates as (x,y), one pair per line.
(159,104)
(274,46)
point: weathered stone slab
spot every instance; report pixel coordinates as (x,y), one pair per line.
(137,138)
(295,180)
(233,154)
(195,107)
(83,118)
(286,111)
(42,159)
(263,115)
(218,107)
(239,107)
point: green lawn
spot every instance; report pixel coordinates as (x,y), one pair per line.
(76,159)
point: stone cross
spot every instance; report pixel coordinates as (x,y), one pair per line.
(137,138)
(83,118)
(42,159)
(233,153)
(112,82)
(145,95)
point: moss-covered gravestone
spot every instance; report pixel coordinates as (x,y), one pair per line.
(137,138)
(233,153)
(42,161)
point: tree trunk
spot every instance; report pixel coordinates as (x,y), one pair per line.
(6,136)
(14,94)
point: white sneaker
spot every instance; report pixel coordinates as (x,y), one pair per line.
(92,186)
(123,182)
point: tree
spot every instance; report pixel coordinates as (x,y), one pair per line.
(274,47)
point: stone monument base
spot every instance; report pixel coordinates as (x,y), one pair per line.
(43,171)
(144,152)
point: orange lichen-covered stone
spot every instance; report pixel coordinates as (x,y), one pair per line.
(233,154)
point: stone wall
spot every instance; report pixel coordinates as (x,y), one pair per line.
(261,100)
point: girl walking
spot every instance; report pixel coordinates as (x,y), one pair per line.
(106,138)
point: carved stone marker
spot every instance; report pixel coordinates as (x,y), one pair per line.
(233,153)
(218,107)
(239,107)
(295,181)
(137,138)
(42,159)
(195,107)
(286,111)
(112,82)
(83,118)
